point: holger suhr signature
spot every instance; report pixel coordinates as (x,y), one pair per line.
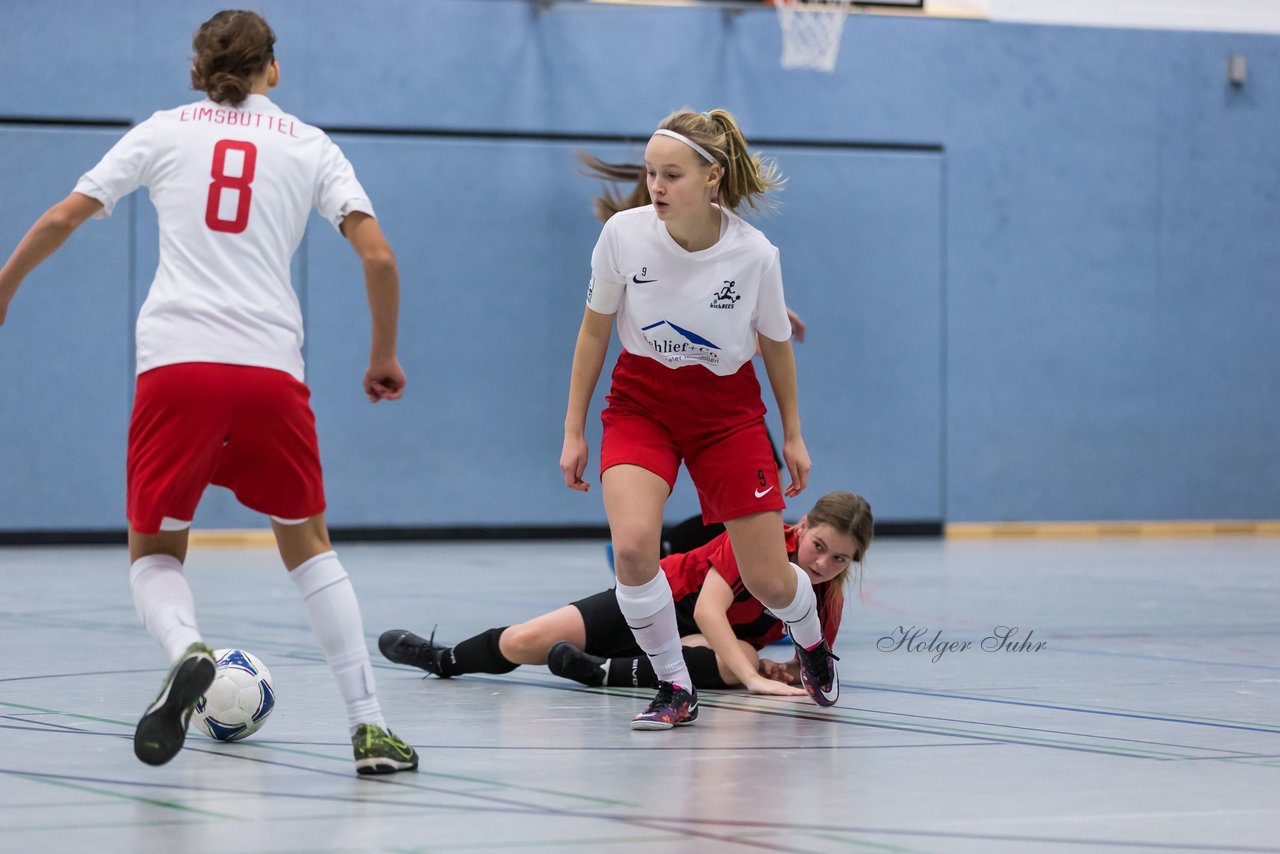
(916,639)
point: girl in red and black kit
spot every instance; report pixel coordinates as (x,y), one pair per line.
(722,627)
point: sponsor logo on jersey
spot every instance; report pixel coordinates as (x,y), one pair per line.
(725,296)
(591,287)
(675,344)
(639,281)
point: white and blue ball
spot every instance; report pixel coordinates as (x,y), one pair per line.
(239,700)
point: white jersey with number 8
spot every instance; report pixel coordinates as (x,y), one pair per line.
(232,188)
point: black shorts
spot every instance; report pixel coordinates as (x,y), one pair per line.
(608,634)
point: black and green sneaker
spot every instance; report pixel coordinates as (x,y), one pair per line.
(380,751)
(163,728)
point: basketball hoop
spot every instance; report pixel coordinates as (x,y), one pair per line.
(811,32)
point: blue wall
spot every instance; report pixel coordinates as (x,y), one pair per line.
(1058,301)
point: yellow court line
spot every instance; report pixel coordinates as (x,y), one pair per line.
(263,538)
(1090,530)
(233,538)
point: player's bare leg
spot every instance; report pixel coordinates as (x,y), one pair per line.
(785,588)
(633,499)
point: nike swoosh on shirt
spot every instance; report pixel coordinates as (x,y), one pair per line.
(639,281)
(762,493)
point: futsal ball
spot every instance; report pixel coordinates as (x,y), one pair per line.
(239,700)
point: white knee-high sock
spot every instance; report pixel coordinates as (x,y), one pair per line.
(164,602)
(651,614)
(335,619)
(801,616)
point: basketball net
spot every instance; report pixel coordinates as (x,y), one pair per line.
(811,32)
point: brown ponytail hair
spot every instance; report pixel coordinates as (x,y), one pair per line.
(231,48)
(747,177)
(610,201)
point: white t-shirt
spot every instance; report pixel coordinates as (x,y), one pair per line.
(688,308)
(232,188)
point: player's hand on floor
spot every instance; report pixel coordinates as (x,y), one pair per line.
(776,671)
(760,685)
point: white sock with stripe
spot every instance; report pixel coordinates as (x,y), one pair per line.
(801,616)
(334,614)
(651,613)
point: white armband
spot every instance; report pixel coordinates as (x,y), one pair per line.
(604,297)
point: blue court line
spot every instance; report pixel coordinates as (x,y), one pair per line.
(991,837)
(963,738)
(1204,631)
(502,805)
(299,659)
(711,701)
(38,726)
(1267,728)
(670,825)
(41,776)
(1222,753)
(37,676)
(509,805)
(968,739)
(184,809)
(1141,657)
(34,726)
(210,749)
(978,737)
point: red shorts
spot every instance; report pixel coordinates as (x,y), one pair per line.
(248,429)
(657,416)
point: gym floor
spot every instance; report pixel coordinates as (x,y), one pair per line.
(1135,708)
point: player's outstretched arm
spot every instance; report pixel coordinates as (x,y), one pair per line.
(588,359)
(43,239)
(710,612)
(385,379)
(780,364)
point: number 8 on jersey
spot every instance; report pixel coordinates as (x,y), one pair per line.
(239,183)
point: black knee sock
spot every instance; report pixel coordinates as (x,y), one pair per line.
(479,654)
(637,672)
(701,661)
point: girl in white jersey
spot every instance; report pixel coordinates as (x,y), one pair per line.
(693,287)
(220,394)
